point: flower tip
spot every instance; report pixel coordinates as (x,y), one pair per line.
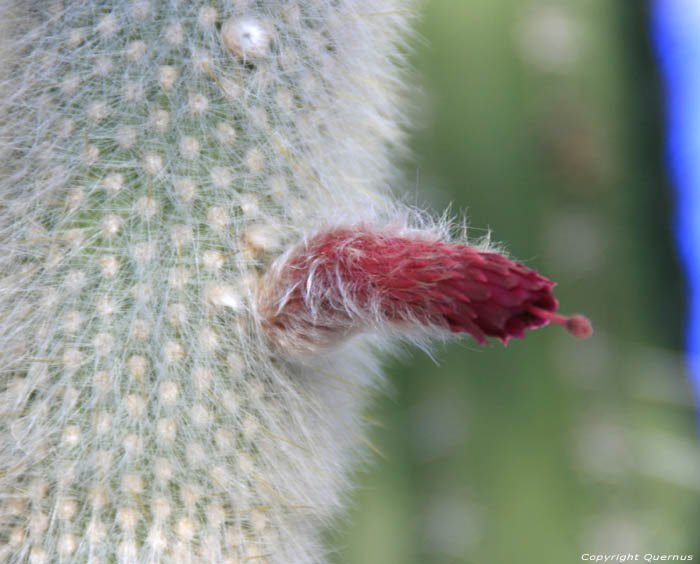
(579,326)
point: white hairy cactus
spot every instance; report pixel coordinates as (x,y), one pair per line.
(195,233)
(156,156)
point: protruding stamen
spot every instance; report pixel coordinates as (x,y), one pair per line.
(579,326)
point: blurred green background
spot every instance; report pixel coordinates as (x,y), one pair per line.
(542,123)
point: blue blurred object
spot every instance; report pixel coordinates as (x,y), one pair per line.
(676,32)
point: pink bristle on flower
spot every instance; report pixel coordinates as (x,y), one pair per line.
(347,280)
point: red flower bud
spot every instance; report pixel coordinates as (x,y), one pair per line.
(343,281)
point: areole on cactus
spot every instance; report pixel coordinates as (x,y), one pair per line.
(197,240)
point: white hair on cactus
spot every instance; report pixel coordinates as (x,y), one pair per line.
(154,165)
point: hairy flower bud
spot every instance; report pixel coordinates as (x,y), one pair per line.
(348,280)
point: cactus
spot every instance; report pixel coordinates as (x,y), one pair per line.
(158,158)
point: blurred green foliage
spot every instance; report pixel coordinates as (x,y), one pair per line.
(543,125)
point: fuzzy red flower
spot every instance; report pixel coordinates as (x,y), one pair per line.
(346,280)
